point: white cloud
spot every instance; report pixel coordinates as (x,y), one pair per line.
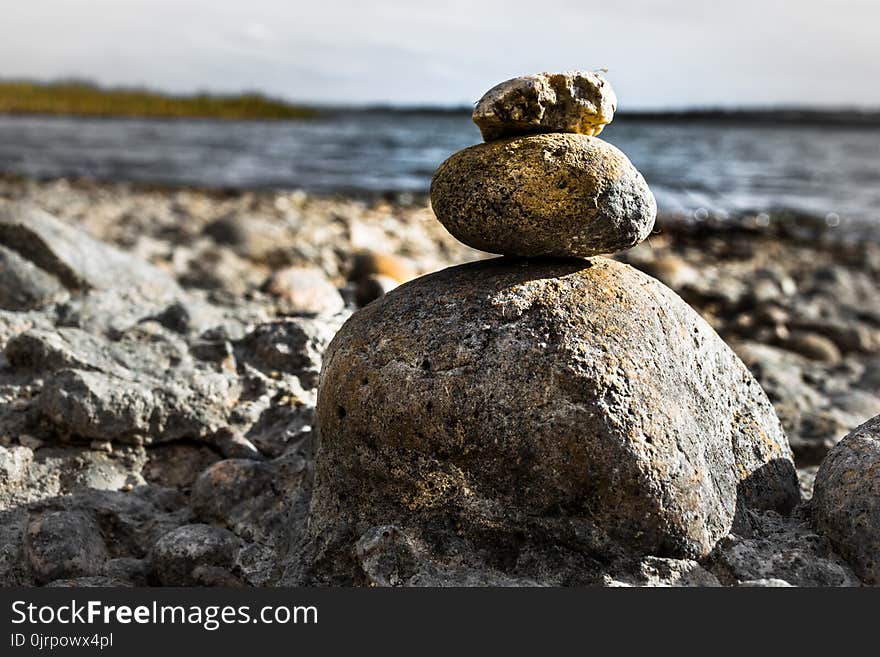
(660,52)
(259,33)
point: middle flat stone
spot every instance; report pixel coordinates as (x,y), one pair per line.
(549,194)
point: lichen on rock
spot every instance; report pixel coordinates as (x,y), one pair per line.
(575,101)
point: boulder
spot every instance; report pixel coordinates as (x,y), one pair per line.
(142,384)
(555,404)
(574,101)
(178,555)
(846,499)
(24,286)
(64,544)
(79,261)
(544,195)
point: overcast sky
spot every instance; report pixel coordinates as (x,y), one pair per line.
(659,53)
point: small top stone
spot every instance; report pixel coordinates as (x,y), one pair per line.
(574,101)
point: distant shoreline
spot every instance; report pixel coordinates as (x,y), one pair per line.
(812,117)
(808,118)
(86,100)
(769,116)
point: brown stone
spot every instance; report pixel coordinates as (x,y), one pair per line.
(552,194)
(576,101)
(540,399)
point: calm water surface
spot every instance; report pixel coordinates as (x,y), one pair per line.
(694,168)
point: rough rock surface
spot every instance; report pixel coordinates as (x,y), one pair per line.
(294,346)
(183,556)
(757,286)
(142,385)
(117,393)
(23,286)
(79,261)
(779,549)
(574,101)
(64,544)
(847,499)
(509,403)
(551,194)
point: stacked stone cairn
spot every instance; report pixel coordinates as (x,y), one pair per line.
(547,413)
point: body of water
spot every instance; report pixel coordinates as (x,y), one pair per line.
(694,167)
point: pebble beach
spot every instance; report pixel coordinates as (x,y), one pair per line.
(795,303)
(526,379)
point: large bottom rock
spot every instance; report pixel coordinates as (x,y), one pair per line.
(505,410)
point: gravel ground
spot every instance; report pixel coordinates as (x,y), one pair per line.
(157,400)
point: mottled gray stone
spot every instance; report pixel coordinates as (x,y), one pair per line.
(846,499)
(62,348)
(14,464)
(142,384)
(222,489)
(544,195)
(386,556)
(24,286)
(264,503)
(780,548)
(662,572)
(62,544)
(93,581)
(15,568)
(765,583)
(77,260)
(553,403)
(83,469)
(100,406)
(573,101)
(176,555)
(293,345)
(177,465)
(128,523)
(134,572)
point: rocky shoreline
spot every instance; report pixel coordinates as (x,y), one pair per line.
(157,398)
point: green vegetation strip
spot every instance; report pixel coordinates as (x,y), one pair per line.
(88,100)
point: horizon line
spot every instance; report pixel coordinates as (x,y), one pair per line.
(849,109)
